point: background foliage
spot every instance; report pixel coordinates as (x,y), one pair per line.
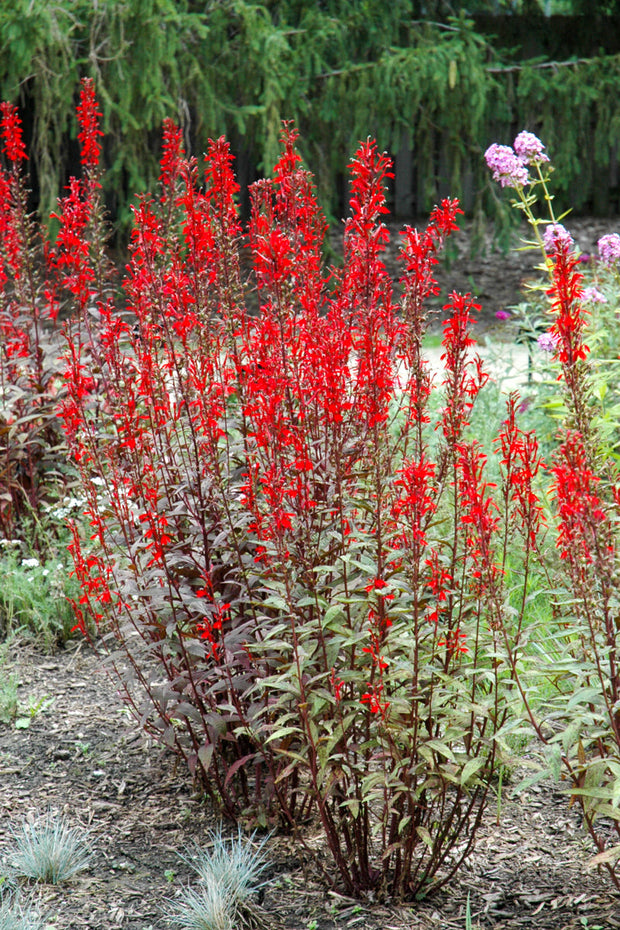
(432,85)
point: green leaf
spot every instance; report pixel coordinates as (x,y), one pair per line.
(425,836)
(205,754)
(470,769)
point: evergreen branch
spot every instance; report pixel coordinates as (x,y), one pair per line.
(507,69)
(490,69)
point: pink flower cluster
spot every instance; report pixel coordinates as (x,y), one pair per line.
(555,237)
(609,249)
(547,341)
(592,295)
(530,149)
(509,165)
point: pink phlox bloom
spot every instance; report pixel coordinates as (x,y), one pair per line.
(507,167)
(555,236)
(592,295)
(503,315)
(609,249)
(547,342)
(530,149)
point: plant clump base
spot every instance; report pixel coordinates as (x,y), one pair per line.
(529,872)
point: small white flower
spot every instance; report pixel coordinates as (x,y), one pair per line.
(30,563)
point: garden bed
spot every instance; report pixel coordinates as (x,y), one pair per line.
(497,280)
(84,756)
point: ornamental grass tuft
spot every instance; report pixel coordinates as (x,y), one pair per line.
(229,875)
(15,915)
(49,851)
(209,908)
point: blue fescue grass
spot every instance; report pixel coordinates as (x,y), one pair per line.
(230,875)
(49,850)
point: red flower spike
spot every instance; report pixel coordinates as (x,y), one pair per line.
(416,501)
(373,698)
(71,252)
(89,116)
(11,129)
(222,186)
(479,514)
(580,509)
(464,375)
(172,159)
(521,463)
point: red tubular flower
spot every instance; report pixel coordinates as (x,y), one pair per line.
(439,581)
(325,371)
(454,642)
(71,253)
(89,116)
(521,462)
(464,375)
(94,577)
(273,258)
(222,186)
(580,511)
(11,228)
(479,512)
(217,613)
(569,321)
(419,255)
(366,282)
(374,698)
(365,296)
(417,499)
(368,169)
(172,159)
(568,332)
(11,130)
(337,685)
(286,232)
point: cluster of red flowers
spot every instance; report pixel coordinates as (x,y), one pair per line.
(307,384)
(583,530)
(71,257)
(580,510)
(522,463)
(479,514)
(273,515)
(12,244)
(11,130)
(29,372)
(89,130)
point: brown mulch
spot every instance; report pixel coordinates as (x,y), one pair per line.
(84,756)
